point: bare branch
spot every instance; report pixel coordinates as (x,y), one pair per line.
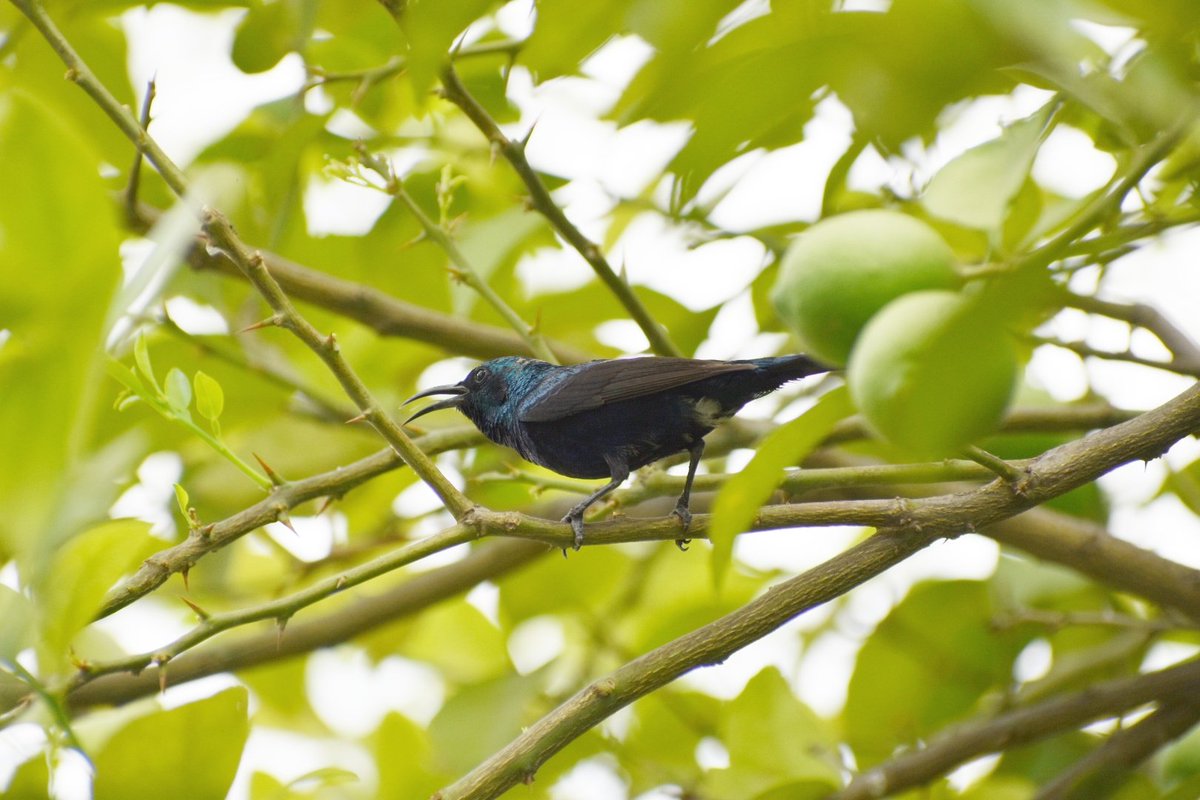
(306,634)
(543,203)
(1186,353)
(1127,748)
(183,556)
(1057,471)
(962,743)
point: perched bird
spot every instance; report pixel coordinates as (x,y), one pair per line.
(602,419)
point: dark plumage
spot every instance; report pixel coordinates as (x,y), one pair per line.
(604,419)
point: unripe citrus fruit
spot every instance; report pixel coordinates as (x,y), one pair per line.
(837,274)
(933,372)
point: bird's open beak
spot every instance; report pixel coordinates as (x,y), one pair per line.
(458,390)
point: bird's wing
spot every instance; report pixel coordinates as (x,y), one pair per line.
(603,382)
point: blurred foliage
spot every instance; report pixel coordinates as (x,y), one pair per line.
(744,78)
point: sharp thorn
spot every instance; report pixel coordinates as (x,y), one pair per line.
(275,478)
(283,519)
(280,627)
(360,418)
(272,321)
(200,612)
(160,661)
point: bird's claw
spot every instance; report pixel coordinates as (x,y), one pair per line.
(576,521)
(685,516)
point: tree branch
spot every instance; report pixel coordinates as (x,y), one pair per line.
(463,269)
(379,311)
(251,263)
(1055,472)
(204,540)
(962,743)
(302,636)
(1186,353)
(1127,748)
(283,608)
(710,644)
(540,199)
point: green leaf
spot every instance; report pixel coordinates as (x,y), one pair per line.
(210,399)
(192,751)
(458,639)
(178,392)
(31,781)
(566,32)
(269,31)
(181,499)
(413,775)
(56,222)
(81,572)
(930,661)
(661,745)
(775,740)
(481,719)
(744,493)
(16,622)
(430,28)
(141,357)
(977,188)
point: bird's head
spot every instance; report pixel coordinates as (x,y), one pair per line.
(486,393)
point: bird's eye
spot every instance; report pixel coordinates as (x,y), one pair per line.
(477,376)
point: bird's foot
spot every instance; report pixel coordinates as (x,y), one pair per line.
(685,517)
(576,521)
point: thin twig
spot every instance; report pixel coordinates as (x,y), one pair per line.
(135,169)
(540,200)
(325,408)
(1085,350)
(464,270)
(366,78)
(312,631)
(960,744)
(1126,748)
(1185,352)
(382,313)
(1053,473)
(208,538)
(1098,210)
(221,233)
(283,608)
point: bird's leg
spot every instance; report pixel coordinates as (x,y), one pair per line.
(619,470)
(681,507)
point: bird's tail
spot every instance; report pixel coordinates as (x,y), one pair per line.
(774,372)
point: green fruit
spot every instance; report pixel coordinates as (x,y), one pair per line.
(933,372)
(837,274)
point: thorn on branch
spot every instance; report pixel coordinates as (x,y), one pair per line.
(275,477)
(273,321)
(200,612)
(281,516)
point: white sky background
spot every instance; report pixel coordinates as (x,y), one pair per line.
(201,96)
